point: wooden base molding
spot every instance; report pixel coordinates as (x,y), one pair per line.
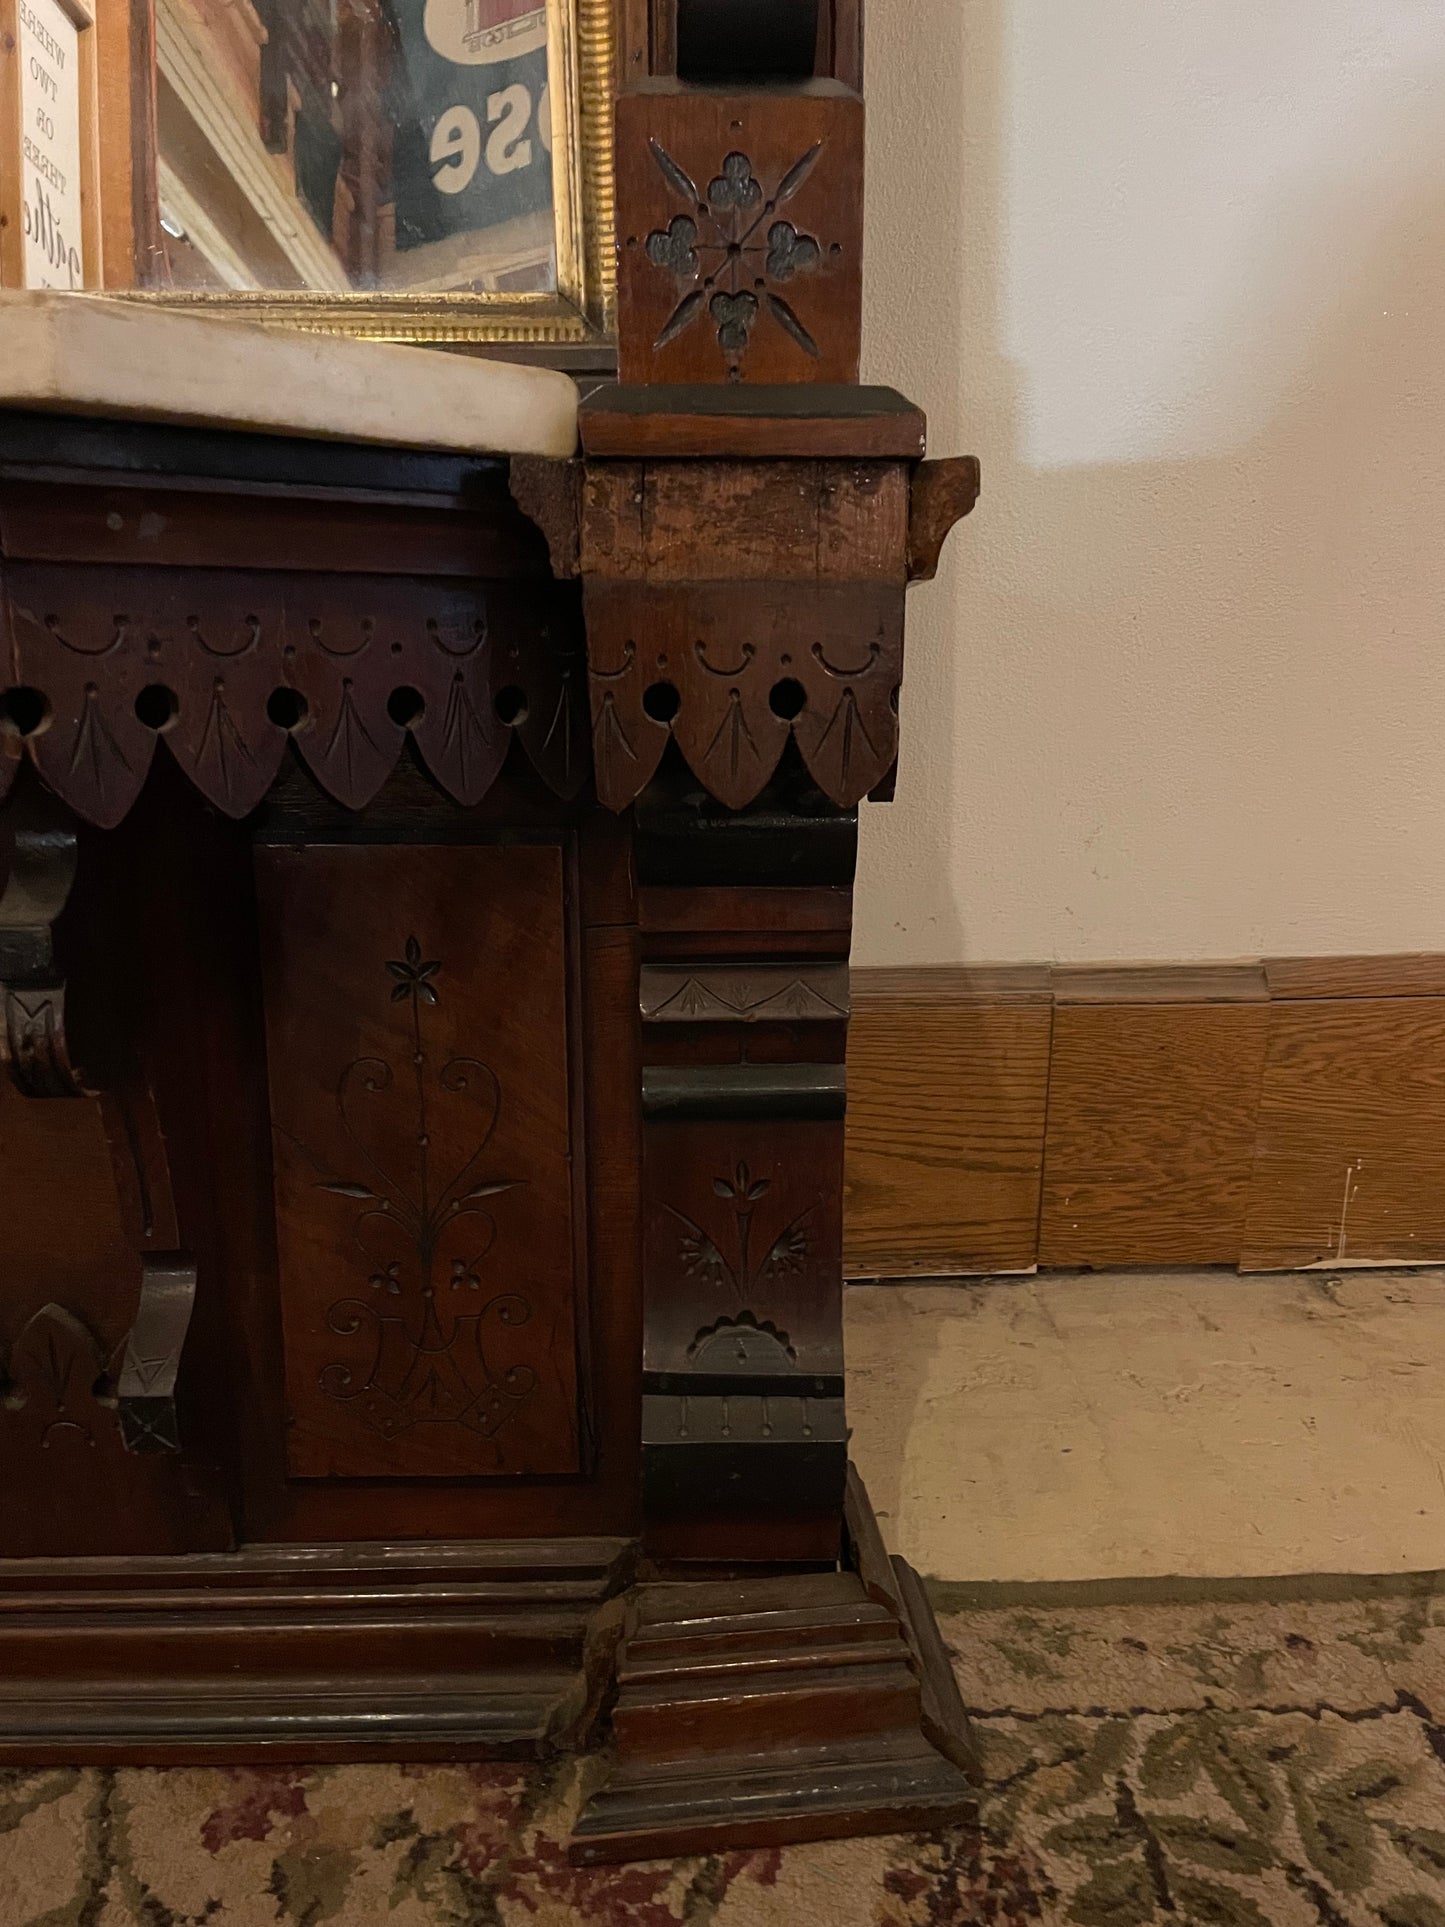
(754,1712)
(1266,1115)
(751,1711)
(466,1651)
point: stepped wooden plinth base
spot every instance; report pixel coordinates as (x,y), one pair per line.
(309,1653)
(756,1712)
(888,1783)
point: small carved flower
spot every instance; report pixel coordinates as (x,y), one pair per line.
(742,1186)
(388,1278)
(413,978)
(735,187)
(463,1276)
(674,247)
(734,315)
(789,252)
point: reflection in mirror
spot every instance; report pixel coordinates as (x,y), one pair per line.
(414,169)
(336,145)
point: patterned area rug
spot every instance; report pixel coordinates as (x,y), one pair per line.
(1191,1765)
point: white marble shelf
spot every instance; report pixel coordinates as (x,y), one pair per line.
(82,355)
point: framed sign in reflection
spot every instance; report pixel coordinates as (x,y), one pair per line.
(49,205)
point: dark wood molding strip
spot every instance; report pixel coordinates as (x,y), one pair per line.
(768,422)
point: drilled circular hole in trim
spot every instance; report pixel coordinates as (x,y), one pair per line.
(406,706)
(661,701)
(787,698)
(511,704)
(286,708)
(25,710)
(156,706)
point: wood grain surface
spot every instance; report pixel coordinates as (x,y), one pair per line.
(948,1076)
(1419,973)
(1151,1132)
(1264,1115)
(420,1108)
(1350,1161)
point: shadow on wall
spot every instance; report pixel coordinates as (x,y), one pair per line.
(1177,706)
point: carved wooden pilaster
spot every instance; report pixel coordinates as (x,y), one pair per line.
(744,1006)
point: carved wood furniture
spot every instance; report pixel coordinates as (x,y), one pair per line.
(424,945)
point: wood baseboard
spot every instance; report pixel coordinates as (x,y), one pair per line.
(1267,1115)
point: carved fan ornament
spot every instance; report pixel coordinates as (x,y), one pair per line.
(733,255)
(419,1232)
(229,669)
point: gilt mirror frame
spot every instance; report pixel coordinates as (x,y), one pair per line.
(143,44)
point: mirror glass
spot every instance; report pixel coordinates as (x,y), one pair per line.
(339,146)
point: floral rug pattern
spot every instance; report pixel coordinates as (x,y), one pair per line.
(1262,1765)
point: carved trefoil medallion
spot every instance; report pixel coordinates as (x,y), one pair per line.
(740,221)
(420,1129)
(732,253)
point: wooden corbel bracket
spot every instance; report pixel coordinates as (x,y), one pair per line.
(38,852)
(58,1376)
(941,493)
(549,494)
(38,860)
(146,1388)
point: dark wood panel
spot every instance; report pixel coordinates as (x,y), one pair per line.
(1350,1163)
(742,1248)
(947,1083)
(416,1036)
(760,422)
(309,1653)
(178,528)
(1150,1133)
(746,524)
(701,166)
(712,912)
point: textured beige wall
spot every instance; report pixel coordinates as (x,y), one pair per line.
(1177,274)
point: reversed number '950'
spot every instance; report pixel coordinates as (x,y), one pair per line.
(458,146)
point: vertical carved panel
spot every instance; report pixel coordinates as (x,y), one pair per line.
(416,1020)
